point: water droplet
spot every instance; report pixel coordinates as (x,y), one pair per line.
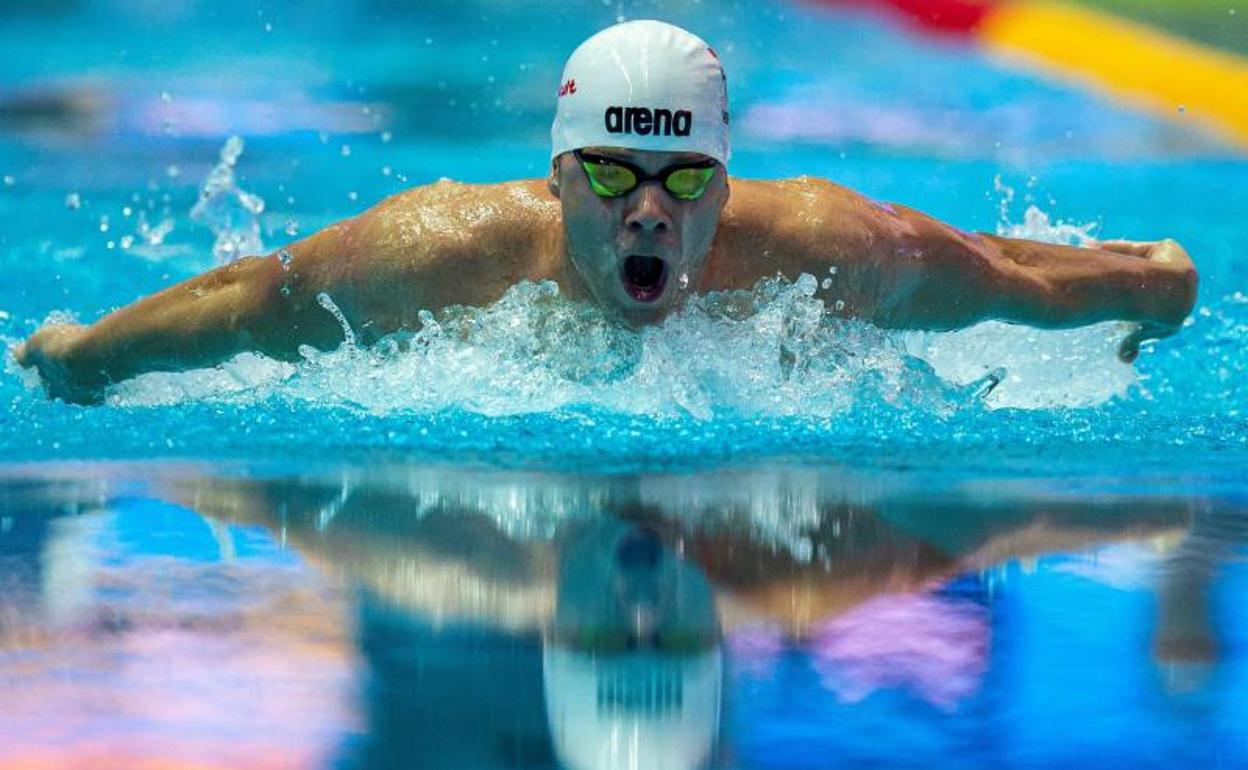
(73,201)
(9,180)
(832,270)
(127,241)
(173,172)
(766,253)
(386,136)
(166,97)
(284,257)
(353,195)
(683,281)
(268,26)
(104,224)
(385,171)
(111,245)
(127,211)
(292,226)
(345,150)
(285,290)
(840,305)
(826,283)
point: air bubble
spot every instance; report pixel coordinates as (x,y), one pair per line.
(73,201)
(285,257)
(292,226)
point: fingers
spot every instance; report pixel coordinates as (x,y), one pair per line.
(1129,348)
(1129,248)
(1169,252)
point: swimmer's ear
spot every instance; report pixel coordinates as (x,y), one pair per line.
(552,181)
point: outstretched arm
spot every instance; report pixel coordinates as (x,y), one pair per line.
(954,278)
(900,268)
(199,322)
(426,248)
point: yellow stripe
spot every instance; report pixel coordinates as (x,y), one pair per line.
(1181,79)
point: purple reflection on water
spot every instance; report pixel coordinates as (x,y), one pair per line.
(933,647)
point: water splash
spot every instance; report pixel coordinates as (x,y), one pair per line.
(232,213)
(766,352)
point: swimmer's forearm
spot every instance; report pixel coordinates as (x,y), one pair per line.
(1060,286)
(199,322)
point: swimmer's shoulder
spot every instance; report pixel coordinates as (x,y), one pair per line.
(806,213)
(435,218)
(801,225)
(459,243)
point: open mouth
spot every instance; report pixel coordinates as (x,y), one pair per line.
(644,277)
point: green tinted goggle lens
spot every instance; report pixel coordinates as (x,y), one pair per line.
(612,179)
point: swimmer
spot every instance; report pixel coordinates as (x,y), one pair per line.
(635,215)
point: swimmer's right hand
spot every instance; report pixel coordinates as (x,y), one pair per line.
(54,351)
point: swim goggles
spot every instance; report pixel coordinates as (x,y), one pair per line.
(612,178)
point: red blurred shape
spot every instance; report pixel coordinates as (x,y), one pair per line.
(944,16)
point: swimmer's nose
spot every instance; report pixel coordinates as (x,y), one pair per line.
(650,214)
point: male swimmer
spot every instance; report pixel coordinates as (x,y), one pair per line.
(636,216)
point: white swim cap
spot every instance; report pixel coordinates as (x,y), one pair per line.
(644,85)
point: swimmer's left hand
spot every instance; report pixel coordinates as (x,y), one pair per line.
(1171,258)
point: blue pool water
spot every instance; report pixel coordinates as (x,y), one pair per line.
(406,616)
(113,137)
(362,560)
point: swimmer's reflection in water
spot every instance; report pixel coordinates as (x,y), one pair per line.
(515,620)
(627,674)
(632,665)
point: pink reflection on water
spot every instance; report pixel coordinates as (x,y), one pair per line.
(933,647)
(755,648)
(259,675)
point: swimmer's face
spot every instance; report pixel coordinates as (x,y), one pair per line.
(642,252)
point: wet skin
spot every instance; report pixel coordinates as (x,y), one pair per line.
(455,244)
